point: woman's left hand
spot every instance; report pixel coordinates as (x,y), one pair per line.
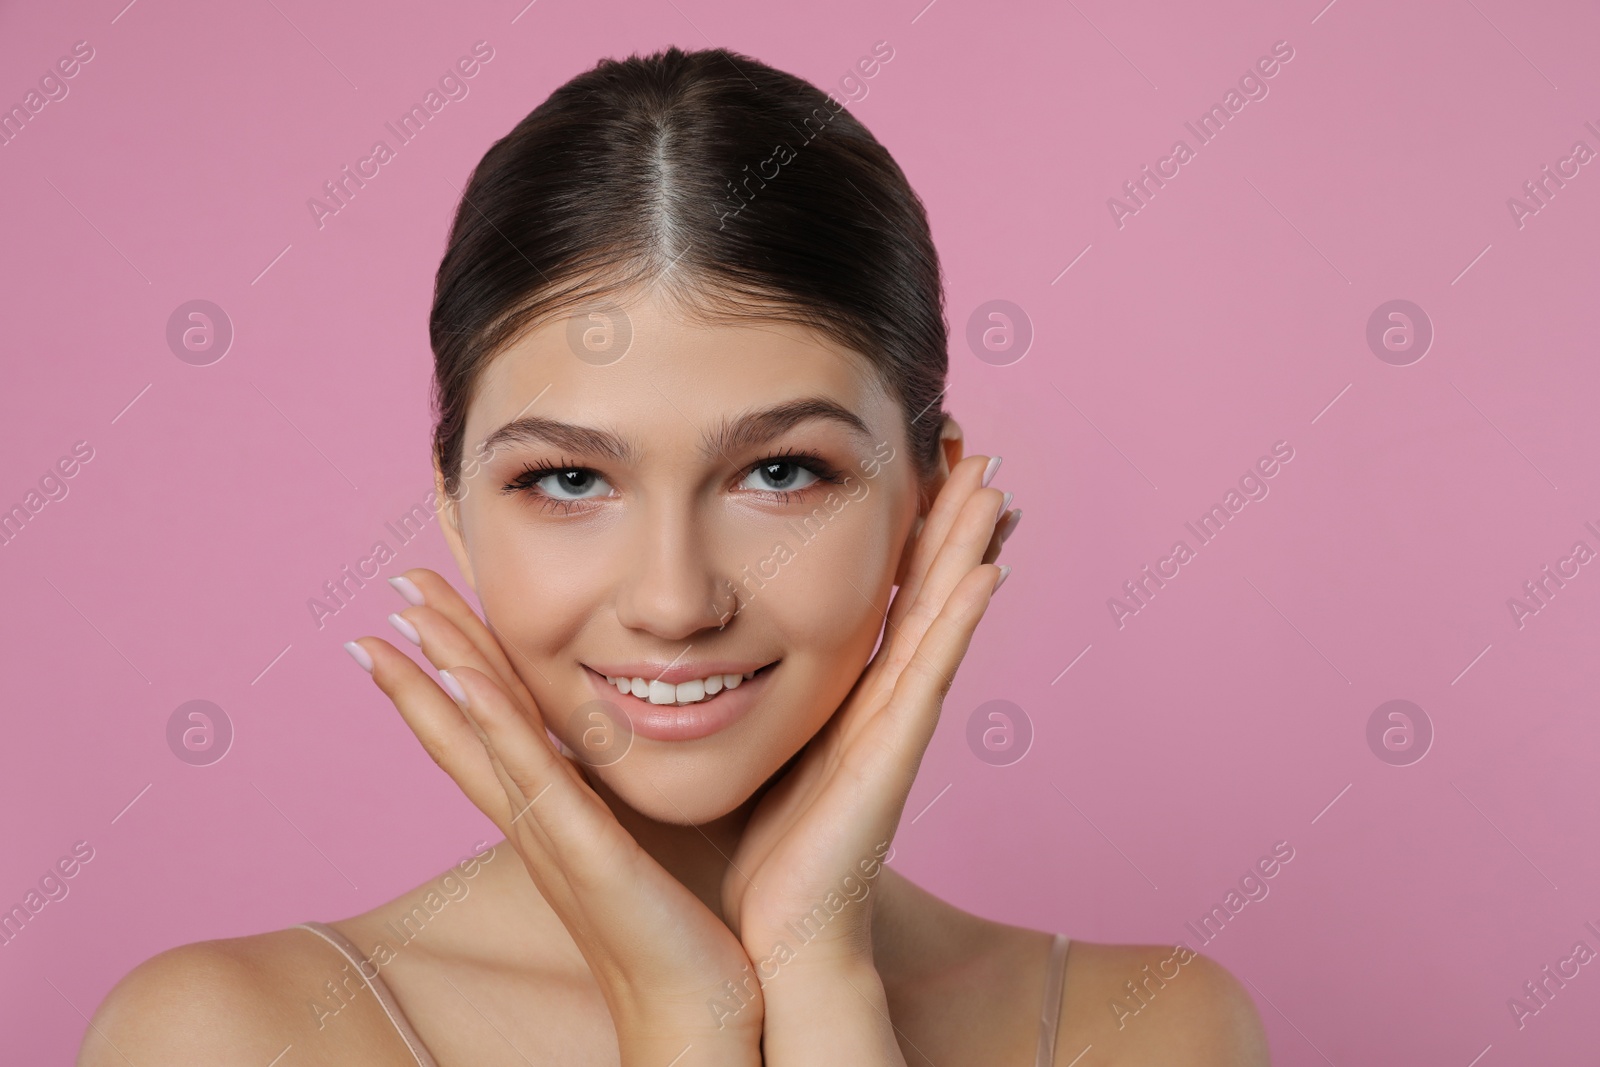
(818,836)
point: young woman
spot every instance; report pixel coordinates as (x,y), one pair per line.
(692,460)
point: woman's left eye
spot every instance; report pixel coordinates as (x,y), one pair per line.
(782,476)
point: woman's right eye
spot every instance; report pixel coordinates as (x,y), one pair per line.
(573,480)
(560,485)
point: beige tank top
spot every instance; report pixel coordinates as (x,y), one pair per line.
(1048,1017)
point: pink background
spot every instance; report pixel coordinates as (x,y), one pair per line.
(1227,314)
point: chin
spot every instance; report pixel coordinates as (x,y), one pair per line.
(678,789)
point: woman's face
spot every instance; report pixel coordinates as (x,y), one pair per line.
(720,500)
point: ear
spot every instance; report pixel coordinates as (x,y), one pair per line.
(449,511)
(952,446)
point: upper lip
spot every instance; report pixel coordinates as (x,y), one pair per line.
(675,673)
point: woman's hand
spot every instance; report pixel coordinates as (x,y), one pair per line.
(659,954)
(799,885)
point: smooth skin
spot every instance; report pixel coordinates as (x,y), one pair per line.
(623,899)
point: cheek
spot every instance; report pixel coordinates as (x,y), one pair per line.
(830,602)
(530,581)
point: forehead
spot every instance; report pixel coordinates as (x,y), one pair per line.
(675,377)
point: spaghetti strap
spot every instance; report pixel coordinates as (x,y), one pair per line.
(391,1007)
(1051,1014)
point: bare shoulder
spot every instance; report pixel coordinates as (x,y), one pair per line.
(233,1000)
(1136,1004)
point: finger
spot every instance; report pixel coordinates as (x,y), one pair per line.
(964,480)
(1003,530)
(445,646)
(968,539)
(556,802)
(913,709)
(442,597)
(437,721)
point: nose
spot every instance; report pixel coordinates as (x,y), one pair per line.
(669,585)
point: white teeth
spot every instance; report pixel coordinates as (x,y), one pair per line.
(691,692)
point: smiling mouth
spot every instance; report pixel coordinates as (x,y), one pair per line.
(683,694)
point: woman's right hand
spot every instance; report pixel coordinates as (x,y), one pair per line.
(660,956)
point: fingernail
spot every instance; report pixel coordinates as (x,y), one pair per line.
(988,472)
(359,654)
(1005,502)
(408,589)
(1011,525)
(409,632)
(1005,572)
(453,687)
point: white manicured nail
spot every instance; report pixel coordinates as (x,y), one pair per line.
(359,654)
(1005,572)
(408,589)
(1011,525)
(453,687)
(409,632)
(988,472)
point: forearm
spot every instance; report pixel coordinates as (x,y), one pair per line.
(823,1014)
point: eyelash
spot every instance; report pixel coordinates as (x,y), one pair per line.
(526,481)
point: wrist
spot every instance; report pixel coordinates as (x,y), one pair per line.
(808,982)
(653,1041)
(829,1011)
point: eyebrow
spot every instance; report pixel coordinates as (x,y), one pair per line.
(733,434)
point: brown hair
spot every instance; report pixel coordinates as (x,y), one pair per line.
(658,170)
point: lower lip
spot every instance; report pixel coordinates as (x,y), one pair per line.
(668,722)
